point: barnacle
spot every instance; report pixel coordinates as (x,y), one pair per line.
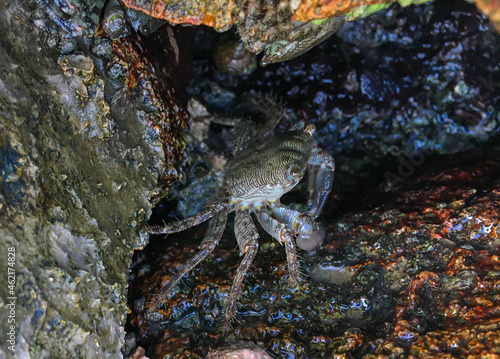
(113,20)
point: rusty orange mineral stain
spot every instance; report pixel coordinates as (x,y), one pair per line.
(218,14)
(459,260)
(139,79)
(171,343)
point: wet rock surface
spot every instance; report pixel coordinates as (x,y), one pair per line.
(83,126)
(407,101)
(416,273)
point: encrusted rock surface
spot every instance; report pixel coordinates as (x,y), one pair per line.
(281,30)
(83,125)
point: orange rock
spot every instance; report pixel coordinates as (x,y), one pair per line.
(219,14)
(490,8)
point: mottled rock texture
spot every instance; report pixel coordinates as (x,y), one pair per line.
(81,153)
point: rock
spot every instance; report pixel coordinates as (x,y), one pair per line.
(81,148)
(241,350)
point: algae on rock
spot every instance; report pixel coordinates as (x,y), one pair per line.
(76,179)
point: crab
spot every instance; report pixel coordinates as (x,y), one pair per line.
(256,178)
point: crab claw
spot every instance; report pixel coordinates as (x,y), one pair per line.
(310,241)
(309,233)
(321,168)
(310,237)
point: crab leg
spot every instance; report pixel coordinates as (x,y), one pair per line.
(247,237)
(279,232)
(216,203)
(321,167)
(310,234)
(210,241)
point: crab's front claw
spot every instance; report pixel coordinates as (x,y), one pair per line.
(321,168)
(309,234)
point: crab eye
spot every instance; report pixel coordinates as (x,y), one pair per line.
(144,29)
(293,173)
